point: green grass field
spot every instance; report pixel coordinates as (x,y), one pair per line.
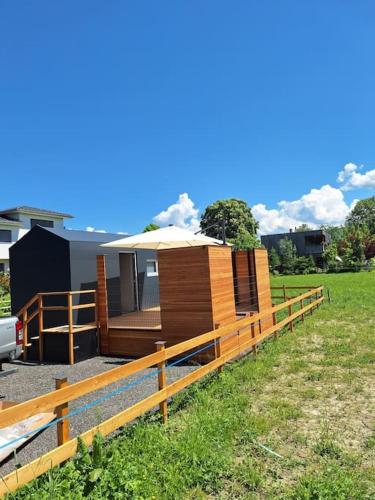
(298,422)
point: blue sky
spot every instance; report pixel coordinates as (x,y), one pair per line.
(112,110)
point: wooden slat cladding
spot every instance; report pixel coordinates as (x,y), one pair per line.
(242,277)
(196,291)
(262,274)
(221,279)
(253,282)
(133,343)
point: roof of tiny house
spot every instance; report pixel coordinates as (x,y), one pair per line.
(164,238)
(75,235)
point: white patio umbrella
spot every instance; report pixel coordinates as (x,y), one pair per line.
(164,238)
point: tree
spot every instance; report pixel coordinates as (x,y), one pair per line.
(303,227)
(305,265)
(330,257)
(4,283)
(274,260)
(288,255)
(337,233)
(245,241)
(363,215)
(150,227)
(236,214)
(356,240)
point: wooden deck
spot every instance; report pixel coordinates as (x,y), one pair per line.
(149,319)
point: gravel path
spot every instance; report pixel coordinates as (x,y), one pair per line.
(32,380)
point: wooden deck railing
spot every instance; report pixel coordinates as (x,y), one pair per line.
(35,307)
(62,396)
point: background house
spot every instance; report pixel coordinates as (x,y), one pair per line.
(306,242)
(17,221)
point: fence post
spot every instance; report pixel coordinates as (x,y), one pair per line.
(25,334)
(41,326)
(63,433)
(284,293)
(162,380)
(289,308)
(218,349)
(96,312)
(329,296)
(71,335)
(303,314)
(253,337)
(274,321)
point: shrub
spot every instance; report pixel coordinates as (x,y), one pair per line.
(4,284)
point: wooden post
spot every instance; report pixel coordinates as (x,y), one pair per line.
(218,348)
(71,334)
(102,304)
(303,314)
(291,322)
(63,433)
(274,321)
(41,326)
(97,322)
(162,380)
(253,337)
(289,308)
(25,334)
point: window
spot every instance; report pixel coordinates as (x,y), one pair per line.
(41,222)
(314,239)
(152,267)
(2,267)
(5,236)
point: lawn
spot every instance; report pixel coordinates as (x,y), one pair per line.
(298,422)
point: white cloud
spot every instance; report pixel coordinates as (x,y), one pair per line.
(91,229)
(181,214)
(325,205)
(351,178)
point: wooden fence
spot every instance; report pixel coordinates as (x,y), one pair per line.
(243,330)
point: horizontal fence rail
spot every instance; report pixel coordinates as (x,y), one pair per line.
(242,331)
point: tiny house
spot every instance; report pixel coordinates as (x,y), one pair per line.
(52,260)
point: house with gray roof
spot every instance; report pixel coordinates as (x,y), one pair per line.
(15,222)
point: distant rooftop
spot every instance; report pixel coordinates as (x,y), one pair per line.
(288,233)
(33,210)
(9,222)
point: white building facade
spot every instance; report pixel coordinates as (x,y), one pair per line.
(16,222)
